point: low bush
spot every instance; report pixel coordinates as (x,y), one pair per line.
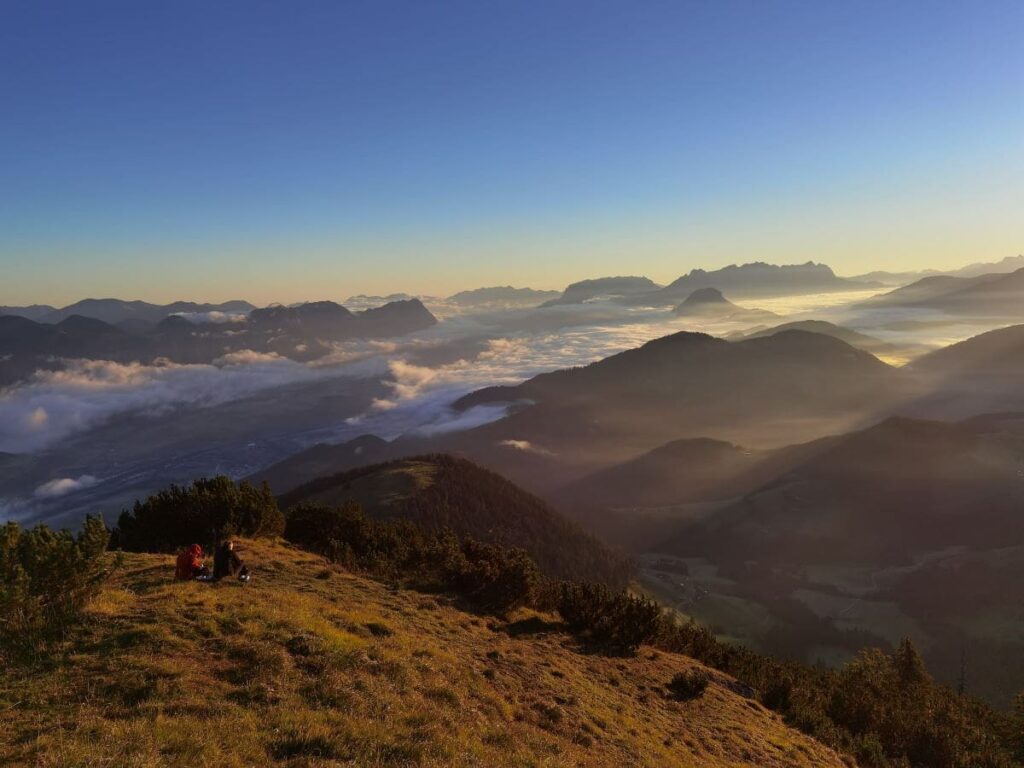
(47,577)
(617,620)
(491,577)
(689,685)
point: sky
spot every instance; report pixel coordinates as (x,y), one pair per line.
(315,150)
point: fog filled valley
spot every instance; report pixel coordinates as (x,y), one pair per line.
(805,464)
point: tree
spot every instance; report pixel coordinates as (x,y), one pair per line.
(910,667)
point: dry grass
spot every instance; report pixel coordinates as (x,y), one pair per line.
(311,666)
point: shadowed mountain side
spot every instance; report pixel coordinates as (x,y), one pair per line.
(988,354)
(988,295)
(782,389)
(685,472)
(302,333)
(883,495)
(32,312)
(983,374)
(444,492)
(853,338)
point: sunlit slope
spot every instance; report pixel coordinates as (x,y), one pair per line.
(309,665)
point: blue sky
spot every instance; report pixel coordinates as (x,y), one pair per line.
(305,150)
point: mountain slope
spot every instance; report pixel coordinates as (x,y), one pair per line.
(988,355)
(986,295)
(851,337)
(309,665)
(444,492)
(786,388)
(884,494)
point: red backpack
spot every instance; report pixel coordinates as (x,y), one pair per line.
(188,563)
(183,566)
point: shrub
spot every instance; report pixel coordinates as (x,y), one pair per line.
(620,620)
(47,577)
(201,513)
(498,579)
(689,685)
(492,577)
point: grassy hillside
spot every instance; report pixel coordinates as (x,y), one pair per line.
(309,665)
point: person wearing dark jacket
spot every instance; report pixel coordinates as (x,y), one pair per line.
(227,563)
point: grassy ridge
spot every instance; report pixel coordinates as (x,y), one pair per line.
(310,665)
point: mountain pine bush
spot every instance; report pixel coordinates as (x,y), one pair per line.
(202,513)
(47,577)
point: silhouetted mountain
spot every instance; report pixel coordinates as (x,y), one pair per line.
(709,303)
(503,296)
(680,472)
(443,492)
(881,495)
(989,356)
(1000,295)
(33,312)
(301,332)
(792,384)
(26,346)
(603,287)
(1007,264)
(322,319)
(890,279)
(907,527)
(853,338)
(394,319)
(752,281)
(115,311)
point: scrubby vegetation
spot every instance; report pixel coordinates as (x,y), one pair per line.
(689,685)
(46,579)
(440,492)
(200,513)
(883,710)
(618,621)
(491,577)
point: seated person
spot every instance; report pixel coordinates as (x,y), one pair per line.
(227,563)
(189,563)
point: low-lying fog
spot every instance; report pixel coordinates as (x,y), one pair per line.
(97,434)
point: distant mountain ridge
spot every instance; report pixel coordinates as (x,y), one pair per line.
(303,332)
(709,303)
(754,280)
(993,294)
(504,295)
(610,287)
